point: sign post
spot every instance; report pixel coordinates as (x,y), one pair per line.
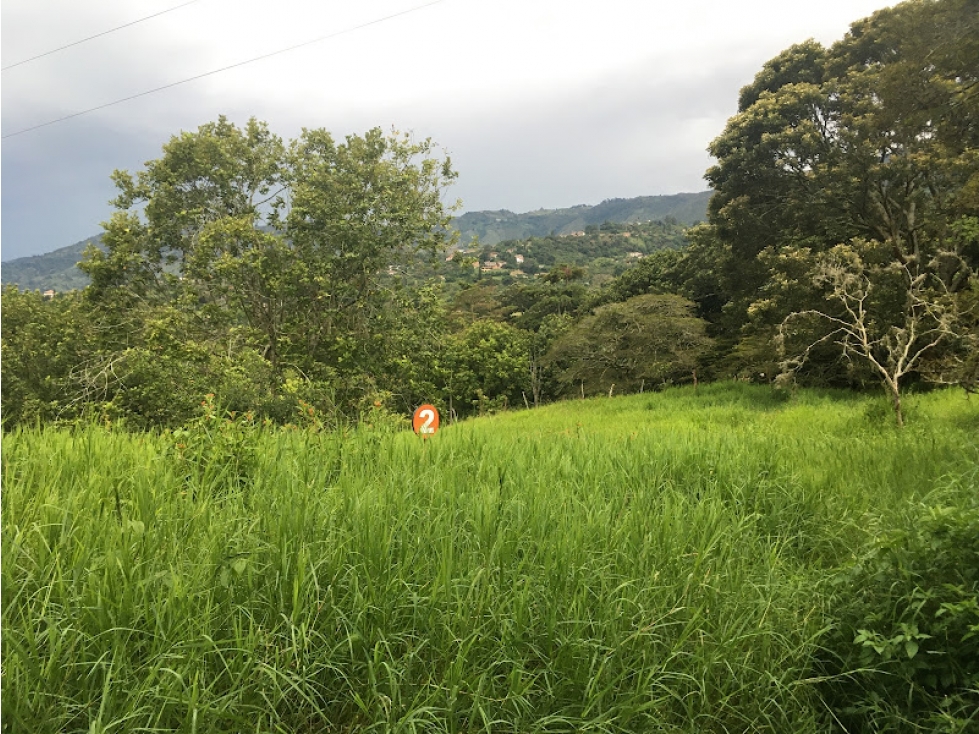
(425,421)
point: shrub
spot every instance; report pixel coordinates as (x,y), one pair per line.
(903,654)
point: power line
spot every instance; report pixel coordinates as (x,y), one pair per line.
(223,68)
(97,35)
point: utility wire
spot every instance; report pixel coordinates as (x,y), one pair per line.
(97,35)
(223,68)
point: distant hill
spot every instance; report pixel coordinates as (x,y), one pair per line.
(57,269)
(496,226)
(54,270)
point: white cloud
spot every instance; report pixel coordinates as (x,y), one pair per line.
(541,102)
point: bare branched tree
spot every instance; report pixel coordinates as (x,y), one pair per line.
(892,341)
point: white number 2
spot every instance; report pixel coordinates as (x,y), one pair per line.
(429,416)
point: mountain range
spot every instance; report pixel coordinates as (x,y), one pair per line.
(496,226)
(56,270)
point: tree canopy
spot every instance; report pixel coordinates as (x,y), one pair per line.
(874,139)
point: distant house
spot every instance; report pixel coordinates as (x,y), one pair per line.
(48,294)
(634,256)
(490,265)
(579,233)
(518,258)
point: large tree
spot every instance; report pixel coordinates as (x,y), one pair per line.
(645,341)
(875,138)
(286,247)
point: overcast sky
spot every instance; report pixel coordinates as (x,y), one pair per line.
(540,103)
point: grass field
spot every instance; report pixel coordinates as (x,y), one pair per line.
(659,562)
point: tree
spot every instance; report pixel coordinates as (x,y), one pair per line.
(876,138)
(888,314)
(42,340)
(488,367)
(542,375)
(359,209)
(655,273)
(647,340)
(289,246)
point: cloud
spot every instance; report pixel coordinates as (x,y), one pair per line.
(542,103)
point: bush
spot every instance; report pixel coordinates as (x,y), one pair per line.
(903,654)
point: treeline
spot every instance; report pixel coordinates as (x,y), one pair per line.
(470,348)
(842,248)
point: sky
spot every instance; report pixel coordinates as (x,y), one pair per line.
(539,103)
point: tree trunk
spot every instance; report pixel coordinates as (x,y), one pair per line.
(896,400)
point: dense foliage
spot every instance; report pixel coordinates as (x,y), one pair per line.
(847,188)
(494,227)
(278,552)
(841,248)
(721,559)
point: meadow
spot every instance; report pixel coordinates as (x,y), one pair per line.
(681,561)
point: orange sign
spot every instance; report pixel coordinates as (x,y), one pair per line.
(425,421)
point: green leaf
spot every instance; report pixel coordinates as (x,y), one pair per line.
(911,648)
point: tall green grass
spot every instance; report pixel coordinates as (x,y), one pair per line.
(649,563)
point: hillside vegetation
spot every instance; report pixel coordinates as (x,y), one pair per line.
(492,227)
(840,249)
(721,559)
(57,269)
(215,518)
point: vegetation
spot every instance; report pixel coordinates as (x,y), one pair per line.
(214,518)
(726,558)
(56,270)
(841,249)
(605,250)
(865,152)
(494,227)
(647,339)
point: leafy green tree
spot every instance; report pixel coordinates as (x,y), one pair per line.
(644,341)
(412,344)
(874,138)
(543,378)
(656,273)
(478,301)
(488,367)
(530,304)
(358,209)
(42,342)
(286,248)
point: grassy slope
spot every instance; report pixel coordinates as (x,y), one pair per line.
(647,563)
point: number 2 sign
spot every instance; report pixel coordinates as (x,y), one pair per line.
(425,421)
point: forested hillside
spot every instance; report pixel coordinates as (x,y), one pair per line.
(56,270)
(492,227)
